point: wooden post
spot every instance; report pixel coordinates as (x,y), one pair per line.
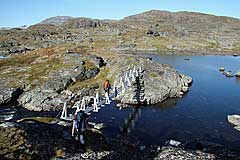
(107,98)
(64,112)
(97,97)
(123,88)
(128,81)
(95,106)
(83,105)
(140,69)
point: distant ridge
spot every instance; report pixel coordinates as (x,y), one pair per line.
(58,20)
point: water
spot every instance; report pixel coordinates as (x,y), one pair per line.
(1,57)
(200,115)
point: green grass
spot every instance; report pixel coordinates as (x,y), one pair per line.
(153,75)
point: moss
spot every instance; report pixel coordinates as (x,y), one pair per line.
(93,82)
(152,75)
(38,119)
(10,141)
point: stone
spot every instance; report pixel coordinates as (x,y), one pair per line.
(9,94)
(238,75)
(235,55)
(172,153)
(142,148)
(227,74)
(174,143)
(221,69)
(184,89)
(161,81)
(235,120)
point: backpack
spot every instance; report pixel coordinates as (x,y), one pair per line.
(106,85)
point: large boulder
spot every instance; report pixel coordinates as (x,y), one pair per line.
(171,153)
(235,120)
(238,74)
(50,95)
(161,81)
(9,94)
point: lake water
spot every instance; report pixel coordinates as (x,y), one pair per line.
(1,57)
(200,115)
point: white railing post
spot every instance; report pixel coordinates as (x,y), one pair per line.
(83,105)
(133,77)
(64,112)
(134,69)
(107,98)
(130,73)
(95,105)
(128,81)
(114,86)
(120,82)
(97,97)
(140,69)
(136,73)
(123,88)
(78,105)
(126,76)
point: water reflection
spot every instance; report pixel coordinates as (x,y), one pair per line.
(129,123)
(202,111)
(167,104)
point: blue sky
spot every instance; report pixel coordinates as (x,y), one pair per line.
(26,12)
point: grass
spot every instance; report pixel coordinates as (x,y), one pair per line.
(93,82)
(38,119)
(153,75)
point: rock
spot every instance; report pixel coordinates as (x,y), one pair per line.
(97,126)
(126,46)
(8,124)
(238,75)
(90,40)
(48,96)
(235,55)
(98,61)
(221,69)
(227,74)
(160,81)
(184,89)
(174,143)
(9,94)
(173,153)
(235,120)
(142,148)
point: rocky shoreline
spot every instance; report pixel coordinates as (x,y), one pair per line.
(30,139)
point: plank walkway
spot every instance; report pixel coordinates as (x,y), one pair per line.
(123,84)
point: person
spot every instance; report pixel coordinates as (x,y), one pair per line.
(79,126)
(106,86)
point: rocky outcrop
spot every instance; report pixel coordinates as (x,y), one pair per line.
(238,74)
(122,47)
(161,81)
(172,153)
(50,96)
(9,94)
(235,120)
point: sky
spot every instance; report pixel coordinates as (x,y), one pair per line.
(15,13)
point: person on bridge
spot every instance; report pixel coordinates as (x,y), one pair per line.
(107,86)
(79,126)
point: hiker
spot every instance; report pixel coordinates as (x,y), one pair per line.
(107,86)
(79,126)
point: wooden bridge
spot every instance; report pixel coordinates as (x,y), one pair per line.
(120,86)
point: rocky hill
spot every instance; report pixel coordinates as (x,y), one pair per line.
(56,20)
(180,32)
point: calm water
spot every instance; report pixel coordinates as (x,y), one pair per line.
(1,57)
(200,115)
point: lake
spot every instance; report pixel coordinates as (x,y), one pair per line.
(200,115)
(1,57)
